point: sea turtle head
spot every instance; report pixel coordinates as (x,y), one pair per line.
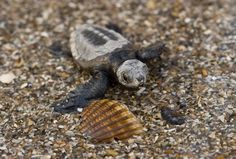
(132,73)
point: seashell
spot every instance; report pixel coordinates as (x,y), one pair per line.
(105,120)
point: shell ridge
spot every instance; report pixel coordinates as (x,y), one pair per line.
(88,118)
(102,120)
(99,107)
(117,133)
(86,113)
(97,128)
(93,107)
(123,135)
(99,117)
(116,130)
(135,131)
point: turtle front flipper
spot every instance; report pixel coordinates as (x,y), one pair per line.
(80,97)
(114,27)
(151,52)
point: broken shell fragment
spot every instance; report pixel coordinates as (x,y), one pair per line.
(105,120)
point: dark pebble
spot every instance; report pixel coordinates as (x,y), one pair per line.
(172,116)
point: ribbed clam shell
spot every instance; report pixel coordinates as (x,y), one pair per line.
(105,120)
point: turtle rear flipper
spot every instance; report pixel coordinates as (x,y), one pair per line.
(59,50)
(80,97)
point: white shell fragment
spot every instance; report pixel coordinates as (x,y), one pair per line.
(7,78)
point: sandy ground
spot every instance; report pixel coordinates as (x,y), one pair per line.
(198,76)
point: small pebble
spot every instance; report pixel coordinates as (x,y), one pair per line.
(70,133)
(221,118)
(24,85)
(204,72)
(80,109)
(61,126)
(212,135)
(7,78)
(111,152)
(151,4)
(140,91)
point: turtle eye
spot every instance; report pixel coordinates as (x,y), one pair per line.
(126,78)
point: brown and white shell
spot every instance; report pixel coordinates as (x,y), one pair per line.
(92,44)
(105,120)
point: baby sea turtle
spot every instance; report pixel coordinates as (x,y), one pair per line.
(106,54)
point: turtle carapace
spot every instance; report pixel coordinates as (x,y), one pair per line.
(105,53)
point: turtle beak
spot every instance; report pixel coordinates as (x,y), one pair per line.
(141,80)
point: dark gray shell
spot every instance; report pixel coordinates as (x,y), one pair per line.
(91,45)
